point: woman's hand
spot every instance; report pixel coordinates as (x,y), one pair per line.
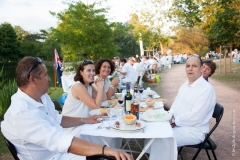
(99,82)
(115,81)
(93,119)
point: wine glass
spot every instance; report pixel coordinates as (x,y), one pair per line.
(120,101)
(119,113)
(141,89)
(110,112)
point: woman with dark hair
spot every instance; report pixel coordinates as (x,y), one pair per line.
(82,97)
(103,69)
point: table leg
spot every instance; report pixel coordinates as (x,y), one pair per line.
(145,148)
(104,141)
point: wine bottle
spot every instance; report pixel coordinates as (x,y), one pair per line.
(128,98)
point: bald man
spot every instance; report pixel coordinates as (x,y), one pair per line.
(192,108)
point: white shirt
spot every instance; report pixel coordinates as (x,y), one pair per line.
(194,105)
(131,73)
(107,83)
(34,128)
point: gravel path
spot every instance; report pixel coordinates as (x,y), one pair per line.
(225,136)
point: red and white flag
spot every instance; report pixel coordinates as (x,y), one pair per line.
(57,62)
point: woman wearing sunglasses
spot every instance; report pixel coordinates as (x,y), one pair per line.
(82,98)
(103,69)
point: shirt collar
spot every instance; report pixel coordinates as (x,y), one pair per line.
(22,94)
(196,82)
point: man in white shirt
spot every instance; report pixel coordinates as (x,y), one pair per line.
(35,128)
(193,107)
(128,72)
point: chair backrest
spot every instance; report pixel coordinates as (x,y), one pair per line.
(217,114)
(57,105)
(12,148)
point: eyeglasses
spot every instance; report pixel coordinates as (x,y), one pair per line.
(87,61)
(39,61)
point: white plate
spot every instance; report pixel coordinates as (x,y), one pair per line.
(98,112)
(124,127)
(156,105)
(156,115)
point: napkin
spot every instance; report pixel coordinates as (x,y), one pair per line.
(158,115)
(148,90)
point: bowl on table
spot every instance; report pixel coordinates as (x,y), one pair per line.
(129,119)
(118,95)
(112,101)
(150,102)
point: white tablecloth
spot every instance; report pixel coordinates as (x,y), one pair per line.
(157,130)
(67,81)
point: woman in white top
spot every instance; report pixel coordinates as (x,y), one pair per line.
(103,69)
(82,98)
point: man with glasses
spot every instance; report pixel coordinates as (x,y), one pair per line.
(36,129)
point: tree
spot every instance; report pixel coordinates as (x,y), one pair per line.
(190,40)
(152,18)
(226,28)
(84,29)
(8,43)
(186,12)
(125,40)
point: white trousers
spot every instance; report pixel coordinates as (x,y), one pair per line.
(187,136)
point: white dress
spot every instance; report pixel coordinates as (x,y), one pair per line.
(76,108)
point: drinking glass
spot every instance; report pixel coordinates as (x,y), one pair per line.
(110,112)
(119,113)
(120,101)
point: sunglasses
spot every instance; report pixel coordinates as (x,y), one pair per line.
(39,61)
(87,61)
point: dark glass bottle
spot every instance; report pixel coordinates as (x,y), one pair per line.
(128,98)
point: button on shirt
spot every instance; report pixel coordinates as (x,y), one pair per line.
(194,105)
(34,128)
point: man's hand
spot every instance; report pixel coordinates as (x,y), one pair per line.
(119,155)
(171,123)
(93,119)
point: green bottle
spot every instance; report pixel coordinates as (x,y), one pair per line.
(128,98)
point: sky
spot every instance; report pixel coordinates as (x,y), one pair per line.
(33,15)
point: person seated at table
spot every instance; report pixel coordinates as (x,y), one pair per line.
(103,69)
(128,72)
(35,128)
(192,108)
(83,97)
(208,68)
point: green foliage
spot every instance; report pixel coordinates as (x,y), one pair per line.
(187,12)
(6,92)
(8,43)
(84,29)
(124,38)
(225,30)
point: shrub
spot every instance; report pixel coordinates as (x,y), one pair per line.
(6,92)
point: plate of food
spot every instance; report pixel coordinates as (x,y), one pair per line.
(100,111)
(156,115)
(121,126)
